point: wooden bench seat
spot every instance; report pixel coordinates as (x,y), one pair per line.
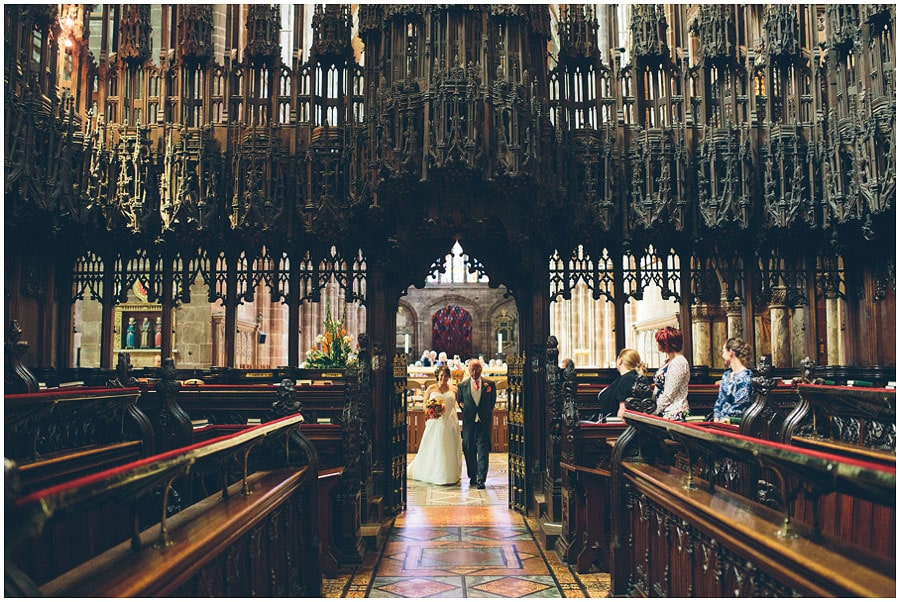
(60,467)
(205,539)
(87,516)
(676,532)
(852,450)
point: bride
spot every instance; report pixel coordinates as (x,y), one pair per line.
(439,459)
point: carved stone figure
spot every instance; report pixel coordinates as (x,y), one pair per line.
(157,333)
(145,333)
(130,333)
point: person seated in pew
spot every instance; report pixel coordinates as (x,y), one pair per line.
(672,378)
(612,398)
(734,389)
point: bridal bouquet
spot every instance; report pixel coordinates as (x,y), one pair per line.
(434,408)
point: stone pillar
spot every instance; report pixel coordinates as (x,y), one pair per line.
(799,326)
(781,328)
(701,325)
(734,318)
(719,336)
(833,329)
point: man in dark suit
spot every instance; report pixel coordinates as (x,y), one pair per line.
(476,396)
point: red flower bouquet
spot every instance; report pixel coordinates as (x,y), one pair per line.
(434,408)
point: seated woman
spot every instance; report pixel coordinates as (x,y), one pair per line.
(734,390)
(672,378)
(612,398)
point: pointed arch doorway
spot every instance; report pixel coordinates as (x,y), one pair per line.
(459,312)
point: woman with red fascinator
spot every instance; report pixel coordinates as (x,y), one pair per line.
(672,378)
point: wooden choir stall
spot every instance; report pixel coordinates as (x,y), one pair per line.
(99,477)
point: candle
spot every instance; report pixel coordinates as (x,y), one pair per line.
(406,343)
(499,342)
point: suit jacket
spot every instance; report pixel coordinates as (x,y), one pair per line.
(484,409)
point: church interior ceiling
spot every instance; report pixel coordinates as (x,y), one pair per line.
(205,135)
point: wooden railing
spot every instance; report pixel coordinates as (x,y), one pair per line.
(264,541)
(677,533)
(57,435)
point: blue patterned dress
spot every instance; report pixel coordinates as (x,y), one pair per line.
(734,394)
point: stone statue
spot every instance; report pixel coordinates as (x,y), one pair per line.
(129,334)
(145,333)
(157,333)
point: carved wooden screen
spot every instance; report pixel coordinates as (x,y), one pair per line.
(518,481)
(396,497)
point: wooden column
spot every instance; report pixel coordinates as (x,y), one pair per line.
(64,327)
(379,325)
(168,307)
(109,306)
(619,305)
(294,318)
(685,309)
(231,297)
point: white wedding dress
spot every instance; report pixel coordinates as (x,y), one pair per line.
(439,459)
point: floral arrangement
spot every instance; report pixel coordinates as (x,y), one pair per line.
(333,348)
(434,408)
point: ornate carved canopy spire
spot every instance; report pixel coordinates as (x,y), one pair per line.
(195,27)
(578,32)
(715,28)
(332,26)
(263,30)
(782,31)
(134,34)
(648,30)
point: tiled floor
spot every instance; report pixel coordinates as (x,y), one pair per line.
(461,542)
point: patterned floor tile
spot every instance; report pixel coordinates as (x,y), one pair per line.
(499,534)
(415,588)
(465,557)
(424,534)
(461,542)
(514,587)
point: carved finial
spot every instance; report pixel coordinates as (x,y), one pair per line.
(123,373)
(641,399)
(286,404)
(18,378)
(761,383)
(807,368)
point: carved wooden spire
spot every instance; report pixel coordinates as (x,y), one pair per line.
(578,32)
(332,26)
(134,34)
(195,27)
(263,31)
(648,30)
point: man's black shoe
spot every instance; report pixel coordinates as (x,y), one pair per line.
(480,485)
(472,482)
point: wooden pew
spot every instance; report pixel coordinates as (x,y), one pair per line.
(587,450)
(856,422)
(585,536)
(229,544)
(55,435)
(676,533)
(240,403)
